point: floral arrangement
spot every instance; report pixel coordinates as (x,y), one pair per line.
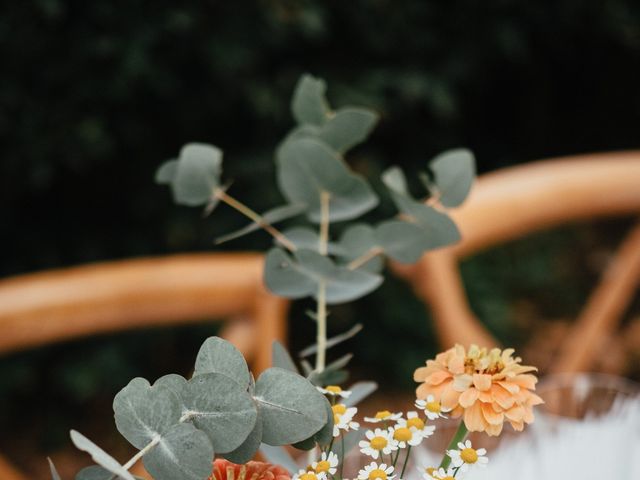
(213,424)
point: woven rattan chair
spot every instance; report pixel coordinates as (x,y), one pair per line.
(513,202)
(53,306)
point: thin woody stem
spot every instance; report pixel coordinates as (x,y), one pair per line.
(365,257)
(321,314)
(255,217)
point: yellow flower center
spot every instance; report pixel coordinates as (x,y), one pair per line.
(378,443)
(469,455)
(415,422)
(333,389)
(308,476)
(336,418)
(448,477)
(339,408)
(376,474)
(383,414)
(434,407)
(402,434)
(430,471)
(322,466)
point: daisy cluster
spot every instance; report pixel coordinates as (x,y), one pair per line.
(389,442)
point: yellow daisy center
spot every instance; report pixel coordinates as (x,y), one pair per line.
(383,414)
(322,466)
(434,407)
(376,474)
(469,455)
(448,477)
(402,434)
(415,422)
(336,418)
(308,476)
(378,443)
(333,389)
(430,471)
(339,408)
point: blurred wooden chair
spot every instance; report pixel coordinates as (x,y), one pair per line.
(43,308)
(513,202)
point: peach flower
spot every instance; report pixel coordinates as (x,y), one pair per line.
(225,470)
(487,387)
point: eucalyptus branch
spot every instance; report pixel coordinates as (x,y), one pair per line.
(365,257)
(133,460)
(321,315)
(255,217)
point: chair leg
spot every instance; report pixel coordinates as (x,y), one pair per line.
(9,472)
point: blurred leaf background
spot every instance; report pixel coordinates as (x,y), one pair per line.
(95,95)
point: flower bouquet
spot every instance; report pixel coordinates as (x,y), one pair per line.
(212,425)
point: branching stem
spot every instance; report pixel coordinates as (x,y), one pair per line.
(255,217)
(365,257)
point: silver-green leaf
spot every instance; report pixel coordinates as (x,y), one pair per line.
(308,167)
(309,105)
(219,406)
(183,453)
(217,355)
(99,456)
(143,412)
(290,406)
(454,171)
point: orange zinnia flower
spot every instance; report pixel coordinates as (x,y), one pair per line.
(225,470)
(487,387)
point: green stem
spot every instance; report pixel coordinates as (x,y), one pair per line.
(458,437)
(406,461)
(396,459)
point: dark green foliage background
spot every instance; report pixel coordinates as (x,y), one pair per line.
(95,95)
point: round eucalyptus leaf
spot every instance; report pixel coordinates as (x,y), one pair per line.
(402,241)
(166,172)
(291,408)
(347,128)
(249,447)
(220,407)
(184,453)
(439,230)
(308,167)
(346,285)
(282,276)
(309,104)
(454,171)
(174,382)
(357,240)
(99,456)
(220,356)
(281,358)
(143,412)
(197,174)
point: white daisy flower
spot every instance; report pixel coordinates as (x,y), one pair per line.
(408,436)
(373,471)
(427,471)
(417,426)
(432,409)
(383,416)
(306,474)
(334,391)
(466,456)
(442,474)
(327,464)
(343,418)
(378,441)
